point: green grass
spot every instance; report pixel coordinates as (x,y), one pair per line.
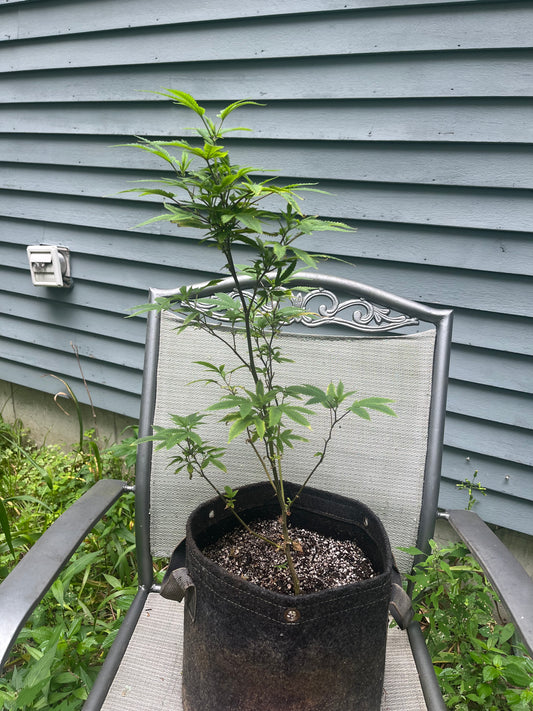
(62,647)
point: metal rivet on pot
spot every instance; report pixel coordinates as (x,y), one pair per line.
(291,614)
(211,514)
(365,522)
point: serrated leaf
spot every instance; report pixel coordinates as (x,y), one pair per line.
(316,394)
(181,97)
(250,221)
(238,427)
(296,415)
(517,674)
(245,408)
(236,105)
(158,218)
(274,415)
(304,257)
(259,427)
(359,411)
(372,401)
(226,404)
(490,673)
(378,404)
(208,366)
(412,550)
(224,301)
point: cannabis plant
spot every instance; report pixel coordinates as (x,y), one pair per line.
(205,190)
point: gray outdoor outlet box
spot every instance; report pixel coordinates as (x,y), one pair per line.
(49,265)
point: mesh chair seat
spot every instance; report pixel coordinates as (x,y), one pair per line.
(149,678)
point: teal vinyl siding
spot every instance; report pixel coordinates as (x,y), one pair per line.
(416,115)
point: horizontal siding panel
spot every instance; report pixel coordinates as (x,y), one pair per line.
(501,476)
(64,363)
(421,75)
(350,33)
(60,18)
(99,297)
(160,250)
(499,510)
(431,164)
(484,250)
(493,331)
(81,320)
(68,210)
(65,339)
(114,400)
(475,208)
(94,294)
(504,406)
(129,275)
(488,367)
(491,439)
(443,120)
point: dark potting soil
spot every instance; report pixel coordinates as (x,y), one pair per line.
(320,562)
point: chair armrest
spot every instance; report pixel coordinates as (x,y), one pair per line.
(507,576)
(28,582)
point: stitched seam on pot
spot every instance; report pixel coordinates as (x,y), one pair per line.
(376,598)
(335,517)
(307,620)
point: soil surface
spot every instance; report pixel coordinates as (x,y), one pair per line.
(320,562)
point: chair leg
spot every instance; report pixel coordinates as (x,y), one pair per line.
(107,673)
(428,679)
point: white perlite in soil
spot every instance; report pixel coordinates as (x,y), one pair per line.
(320,562)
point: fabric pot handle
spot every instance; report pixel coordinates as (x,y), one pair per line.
(177,584)
(400,605)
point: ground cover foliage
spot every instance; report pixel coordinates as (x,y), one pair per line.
(478,662)
(63,645)
(60,650)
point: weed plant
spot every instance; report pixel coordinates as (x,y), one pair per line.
(478,664)
(60,650)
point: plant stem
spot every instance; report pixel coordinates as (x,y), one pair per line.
(246,312)
(239,519)
(265,468)
(286,538)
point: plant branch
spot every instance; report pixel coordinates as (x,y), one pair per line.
(334,423)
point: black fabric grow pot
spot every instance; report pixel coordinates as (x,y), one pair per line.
(249,649)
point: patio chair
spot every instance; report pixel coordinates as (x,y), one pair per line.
(378,344)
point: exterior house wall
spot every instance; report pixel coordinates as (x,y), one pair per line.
(416,115)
